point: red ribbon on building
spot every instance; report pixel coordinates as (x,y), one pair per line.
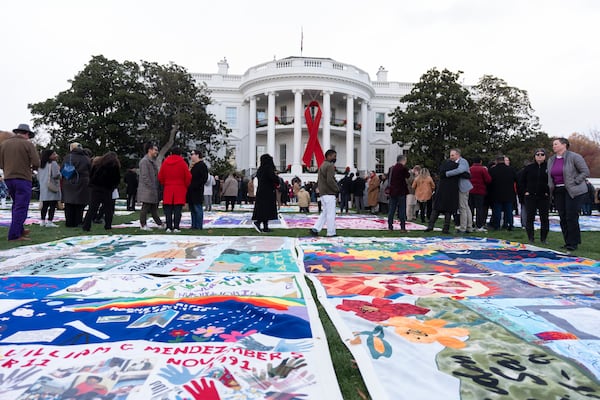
(313,146)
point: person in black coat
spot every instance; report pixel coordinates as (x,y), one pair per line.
(358,189)
(76,190)
(265,207)
(195,192)
(536,194)
(104,179)
(445,200)
(502,193)
(131,186)
(345,191)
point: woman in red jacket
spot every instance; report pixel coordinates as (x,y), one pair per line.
(175,177)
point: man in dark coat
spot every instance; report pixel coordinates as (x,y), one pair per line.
(502,193)
(345,191)
(397,176)
(195,192)
(445,200)
(265,207)
(131,186)
(358,189)
(76,193)
(148,187)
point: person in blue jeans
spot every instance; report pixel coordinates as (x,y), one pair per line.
(195,192)
(398,188)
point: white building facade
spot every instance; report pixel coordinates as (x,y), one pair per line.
(285,106)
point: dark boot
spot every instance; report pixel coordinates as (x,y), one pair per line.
(403,227)
(432,219)
(266,227)
(447,218)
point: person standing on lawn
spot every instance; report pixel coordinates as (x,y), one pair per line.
(49,172)
(536,195)
(567,172)
(18,159)
(398,188)
(328,190)
(147,192)
(175,177)
(195,192)
(265,206)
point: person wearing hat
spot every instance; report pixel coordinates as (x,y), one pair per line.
(18,159)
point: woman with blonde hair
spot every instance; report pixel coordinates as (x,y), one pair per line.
(424,187)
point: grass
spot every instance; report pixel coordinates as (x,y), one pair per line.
(348,375)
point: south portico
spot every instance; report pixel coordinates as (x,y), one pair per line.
(296,107)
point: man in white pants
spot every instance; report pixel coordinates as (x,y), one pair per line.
(464,186)
(328,189)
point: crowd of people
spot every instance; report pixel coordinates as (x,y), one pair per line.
(464,192)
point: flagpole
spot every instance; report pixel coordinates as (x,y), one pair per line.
(301,40)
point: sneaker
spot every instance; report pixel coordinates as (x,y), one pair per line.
(42,223)
(482,229)
(146,228)
(313,232)
(163,226)
(168,230)
(267,230)
(51,224)
(176,231)
(256,227)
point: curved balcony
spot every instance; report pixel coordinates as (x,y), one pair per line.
(288,122)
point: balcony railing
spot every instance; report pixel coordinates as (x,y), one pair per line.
(260,123)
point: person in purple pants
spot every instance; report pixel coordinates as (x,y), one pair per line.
(18,159)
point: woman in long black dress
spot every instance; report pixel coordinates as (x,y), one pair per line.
(445,200)
(265,208)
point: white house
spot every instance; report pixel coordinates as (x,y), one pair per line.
(268,107)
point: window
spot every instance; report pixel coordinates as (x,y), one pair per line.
(332,116)
(260,150)
(355,158)
(282,157)
(379,122)
(379,161)
(261,117)
(283,118)
(231,116)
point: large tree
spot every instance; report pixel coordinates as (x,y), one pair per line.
(119,106)
(589,150)
(508,123)
(439,114)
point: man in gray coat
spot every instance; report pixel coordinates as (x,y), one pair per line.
(147,192)
(464,187)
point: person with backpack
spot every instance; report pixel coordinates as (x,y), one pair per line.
(75,187)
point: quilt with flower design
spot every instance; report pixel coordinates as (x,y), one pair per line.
(462,318)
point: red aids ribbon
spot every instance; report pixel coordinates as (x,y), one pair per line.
(313,146)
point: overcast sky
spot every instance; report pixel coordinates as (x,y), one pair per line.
(549,48)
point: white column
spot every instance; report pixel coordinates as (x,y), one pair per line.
(296,164)
(326,120)
(363,135)
(271,124)
(252,133)
(349,132)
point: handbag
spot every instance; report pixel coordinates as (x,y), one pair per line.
(52,184)
(388,189)
(68,169)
